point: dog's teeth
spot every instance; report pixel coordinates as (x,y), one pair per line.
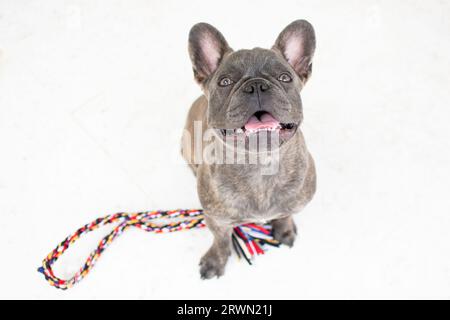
(239,131)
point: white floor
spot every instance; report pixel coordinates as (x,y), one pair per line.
(93,97)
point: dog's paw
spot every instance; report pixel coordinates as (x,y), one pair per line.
(284,231)
(213,264)
(210,268)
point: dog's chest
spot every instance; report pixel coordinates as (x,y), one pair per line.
(255,196)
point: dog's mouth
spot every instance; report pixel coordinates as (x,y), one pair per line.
(262,122)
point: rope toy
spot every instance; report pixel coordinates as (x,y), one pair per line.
(248,240)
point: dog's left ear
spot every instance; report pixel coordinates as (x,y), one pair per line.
(297,43)
(207,47)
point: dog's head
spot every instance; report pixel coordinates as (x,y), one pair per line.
(253,91)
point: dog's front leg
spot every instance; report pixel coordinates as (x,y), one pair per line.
(284,230)
(213,262)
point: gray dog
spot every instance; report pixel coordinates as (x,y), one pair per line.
(247,95)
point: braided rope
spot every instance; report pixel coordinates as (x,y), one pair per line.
(248,239)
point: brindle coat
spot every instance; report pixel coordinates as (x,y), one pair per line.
(233,194)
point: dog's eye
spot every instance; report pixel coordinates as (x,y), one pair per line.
(224,82)
(285,77)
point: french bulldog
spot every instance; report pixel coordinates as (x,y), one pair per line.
(246,95)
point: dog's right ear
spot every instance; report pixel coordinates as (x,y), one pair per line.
(207,47)
(297,43)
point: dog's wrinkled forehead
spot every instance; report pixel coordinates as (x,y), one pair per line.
(209,52)
(256,62)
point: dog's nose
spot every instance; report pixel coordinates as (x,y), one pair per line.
(253,86)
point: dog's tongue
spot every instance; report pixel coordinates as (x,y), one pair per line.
(265,121)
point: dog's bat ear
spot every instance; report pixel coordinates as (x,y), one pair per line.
(297,43)
(207,47)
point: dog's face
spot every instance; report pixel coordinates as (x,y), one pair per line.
(253,92)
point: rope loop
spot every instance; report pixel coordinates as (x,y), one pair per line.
(248,240)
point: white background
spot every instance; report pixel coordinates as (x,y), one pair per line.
(93,97)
